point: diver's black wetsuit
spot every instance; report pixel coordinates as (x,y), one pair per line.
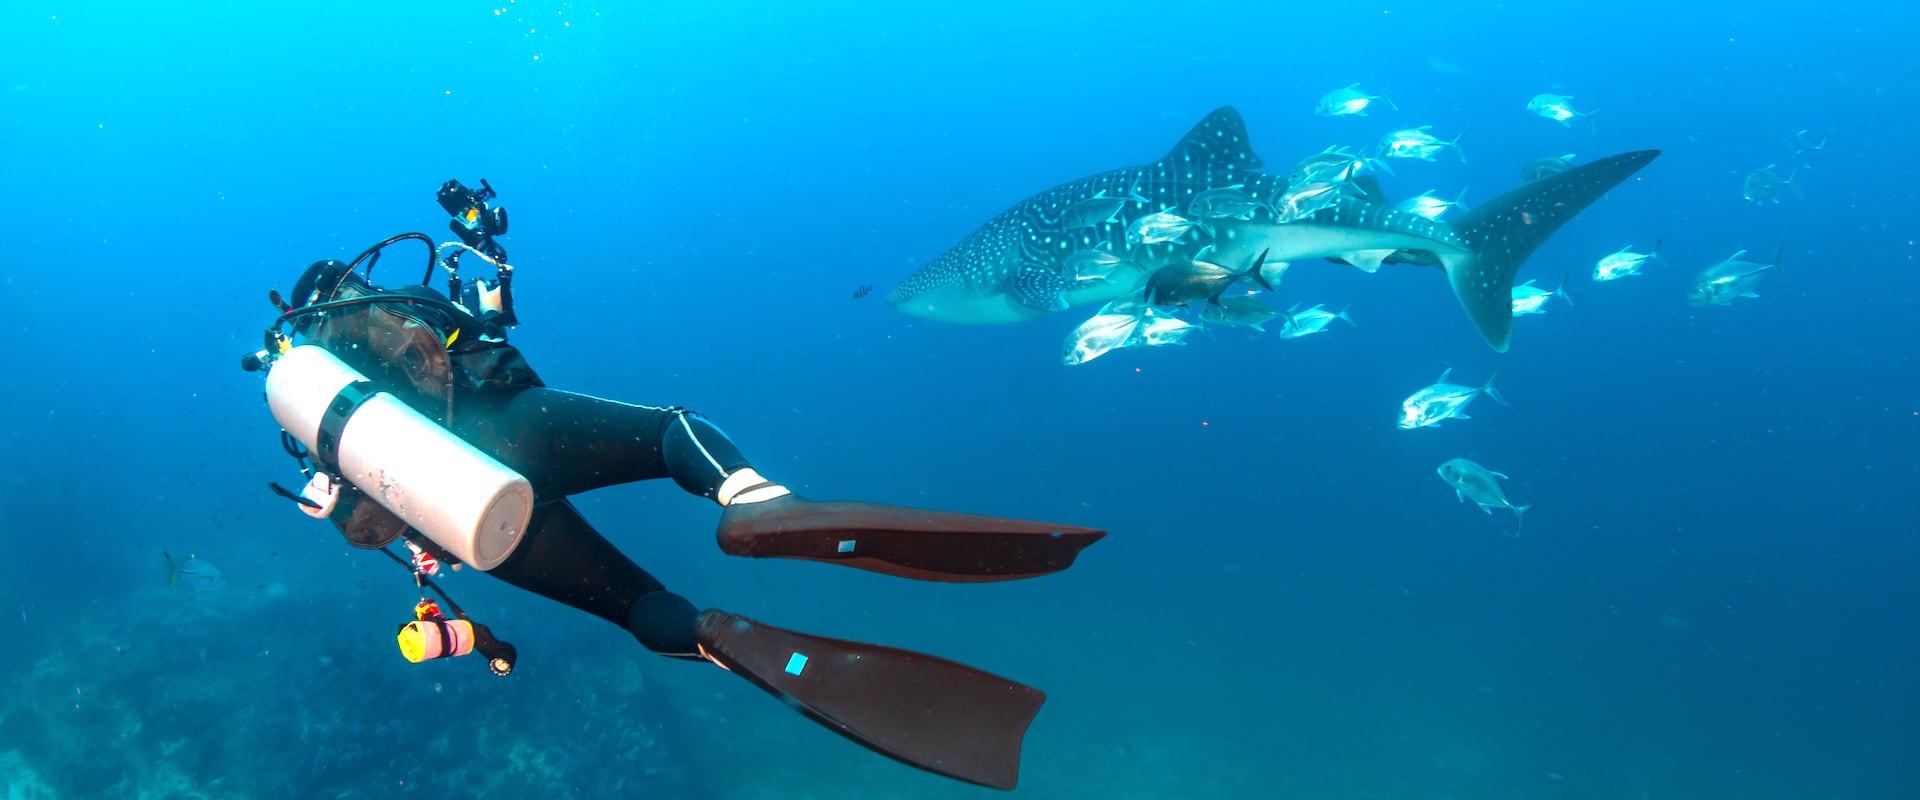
(456,368)
(565,444)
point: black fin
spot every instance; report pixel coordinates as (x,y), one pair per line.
(903,542)
(1217,146)
(1254,271)
(1503,231)
(938,715)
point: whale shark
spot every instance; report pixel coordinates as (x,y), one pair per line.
(1013,267)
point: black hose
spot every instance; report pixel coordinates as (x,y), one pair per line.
(411,300)
(428,583)
(391,240)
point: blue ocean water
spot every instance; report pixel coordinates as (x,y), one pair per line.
(1711,599)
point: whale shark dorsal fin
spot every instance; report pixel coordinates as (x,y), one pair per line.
(1217,145)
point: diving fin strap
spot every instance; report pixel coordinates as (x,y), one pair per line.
(900,541)
(927,712)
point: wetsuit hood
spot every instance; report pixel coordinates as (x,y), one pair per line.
(321,282)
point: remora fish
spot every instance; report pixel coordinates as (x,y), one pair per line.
(1010,268)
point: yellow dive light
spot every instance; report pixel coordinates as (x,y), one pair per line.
(425,639)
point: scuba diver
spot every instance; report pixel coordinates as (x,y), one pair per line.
(417,423)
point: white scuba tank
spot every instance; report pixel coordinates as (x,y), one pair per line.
(462,499)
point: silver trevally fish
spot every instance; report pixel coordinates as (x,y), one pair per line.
(1442,401)
(1311,321)
(1094,210)
(1722,283)
(1228,202)
(193,572)
(1426,205)
(1559,108)
(1160,330)
(1159,228)
(1625,263)
(1418,143)
(1545,166)
(1333,165)
(1530,299)
(1099,335)
(1474,483)
(1092,265)
(1186,284)
(1121,325)
(1764,186)
(1239,311)
(1012,268)
(1349,102)
(1803,145)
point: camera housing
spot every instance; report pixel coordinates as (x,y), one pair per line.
(475,222)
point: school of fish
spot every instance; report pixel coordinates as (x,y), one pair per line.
(1189,243)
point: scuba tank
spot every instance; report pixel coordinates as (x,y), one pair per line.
(464,500)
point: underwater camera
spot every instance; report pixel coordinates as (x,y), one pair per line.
(474,221)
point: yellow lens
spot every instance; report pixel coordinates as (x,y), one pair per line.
(413,643)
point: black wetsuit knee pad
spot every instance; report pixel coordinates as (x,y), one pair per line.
(664,622)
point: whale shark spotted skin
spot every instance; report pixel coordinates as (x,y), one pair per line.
(975,282)
(1003,271)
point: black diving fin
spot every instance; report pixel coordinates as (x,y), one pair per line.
(927,712)
(900,541)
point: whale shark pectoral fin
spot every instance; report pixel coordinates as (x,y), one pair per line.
(1038,288)
(1487,300)
(1503,231)
(1367,261)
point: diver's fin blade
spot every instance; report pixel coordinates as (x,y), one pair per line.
(927,712)
(903,542)
(1503,231)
